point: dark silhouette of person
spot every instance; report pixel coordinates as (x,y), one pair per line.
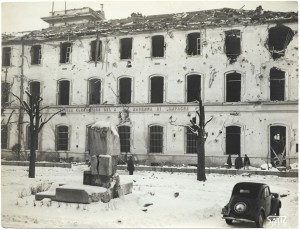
(130,166)
(246,162)
(238,163)
(229,162)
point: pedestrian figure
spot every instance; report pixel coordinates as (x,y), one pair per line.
(229,162)
(130,166)
(246,162)
(238,163)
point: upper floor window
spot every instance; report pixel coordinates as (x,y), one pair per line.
(193,88)
(157,90)
(125,90)
(158,46)
(193,44)
(191,141)
(233,140)
(62,138)
(233,44)
(63,92)
(277,84)
(126,48)
(156,139)
(124,133)
(29,138)
(96,50)
(5,89)
(65,52)
(6,56)
(94,91)
(35,89)
(233,87)
(36,54)
(4,136)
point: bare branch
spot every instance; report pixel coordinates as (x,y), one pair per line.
(10,117)
(46,121)
(209,121)
(22,104)
(44,108)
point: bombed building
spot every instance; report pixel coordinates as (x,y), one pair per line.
(145,74)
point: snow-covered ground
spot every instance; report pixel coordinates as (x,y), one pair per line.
(153,203)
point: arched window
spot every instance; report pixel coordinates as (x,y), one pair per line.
(233,87)
(62,137)
(157,89)
(4,136)
(94,91)
(156,139)
(63,92)
(191,141)
(193,87)
(233,140)
(124,133)
(125,90)
(277,84)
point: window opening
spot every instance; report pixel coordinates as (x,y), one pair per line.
(88,129)
(65,52)
(193,88)
(158,46)
(277,84)
(93,50)
(64,92)
(157,90)
(233,87)
(191,141)
(35,89)
(193,44)
(94,91)
(126,48)
(280,37)
(278,145)
(5,89)
(233,140)
(124,133)
(62,138)
(6,56)
(36,54)
(125,91)
(156,139)
(233,44)
(4,136)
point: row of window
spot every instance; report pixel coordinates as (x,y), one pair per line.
(157,89)
(279,38)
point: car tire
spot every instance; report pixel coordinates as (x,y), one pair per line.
(259,222)
(228,221)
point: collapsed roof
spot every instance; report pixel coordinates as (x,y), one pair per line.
(165,22)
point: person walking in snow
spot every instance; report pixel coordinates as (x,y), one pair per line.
(246,162)
(229,162)
(238,163)
(130,166)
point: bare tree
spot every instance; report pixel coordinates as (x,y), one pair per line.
(199,130)
(36,123)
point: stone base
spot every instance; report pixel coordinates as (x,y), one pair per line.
(96,180)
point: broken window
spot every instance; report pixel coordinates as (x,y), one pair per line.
(278,145)
(65,52)
(193,44)
(4,136)
(62,138)
(233,87)
(94,91)
(36,54)
(279,38)
(29,139)
(5,89)
(125,90)
(158,46)
(96,52)
(193,88)
(63,92)
(6,56)
(157,90)
(34,88)
(233,140)
(191,141)
(277,84)
(126,48)
(233,44)
(156,139)
(124,133)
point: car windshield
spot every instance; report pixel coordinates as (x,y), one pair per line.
(246,190)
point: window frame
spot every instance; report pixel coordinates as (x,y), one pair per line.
(40,56)
(89,90)
(57,138)
(186,85)
(100,57)
(119,87)
(68,53)
(8,93)
(35,81)
(241,139)
(186,130)
(130,137)
(285,87)
(198,44)
(241,87)
(163,138)
(120,49)
(7,136)
(58,92)
(164,47)
(164,88)
(3,64)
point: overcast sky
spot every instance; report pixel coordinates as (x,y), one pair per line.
(25,15)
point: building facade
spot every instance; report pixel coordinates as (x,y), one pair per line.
(145,74)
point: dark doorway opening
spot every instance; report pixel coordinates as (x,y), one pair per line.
(233,44)
(193,87)
(157,90)
(278,145)
(125,90)
(126,48)
(193,44)
(233,87)
(158,46)
(233,140)
(277,84)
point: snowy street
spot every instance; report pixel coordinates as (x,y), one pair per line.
(153,203)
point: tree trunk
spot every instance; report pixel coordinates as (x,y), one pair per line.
(201,159)
(32,151)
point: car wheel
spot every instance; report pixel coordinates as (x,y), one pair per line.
(229,222)
(278,212)
(259,222)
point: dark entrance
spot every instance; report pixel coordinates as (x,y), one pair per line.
(278,145)
(233,140)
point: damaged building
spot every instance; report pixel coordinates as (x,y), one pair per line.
(143,73)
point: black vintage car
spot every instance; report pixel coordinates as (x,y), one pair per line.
(251,202)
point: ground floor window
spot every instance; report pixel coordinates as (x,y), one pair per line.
(191,141)
(156,139)
(62,138)
(124,133)
(233,140)
(4,136)
(278,145)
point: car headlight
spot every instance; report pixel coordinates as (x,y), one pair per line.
(240,207)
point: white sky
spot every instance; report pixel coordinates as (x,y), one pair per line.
(25,15)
